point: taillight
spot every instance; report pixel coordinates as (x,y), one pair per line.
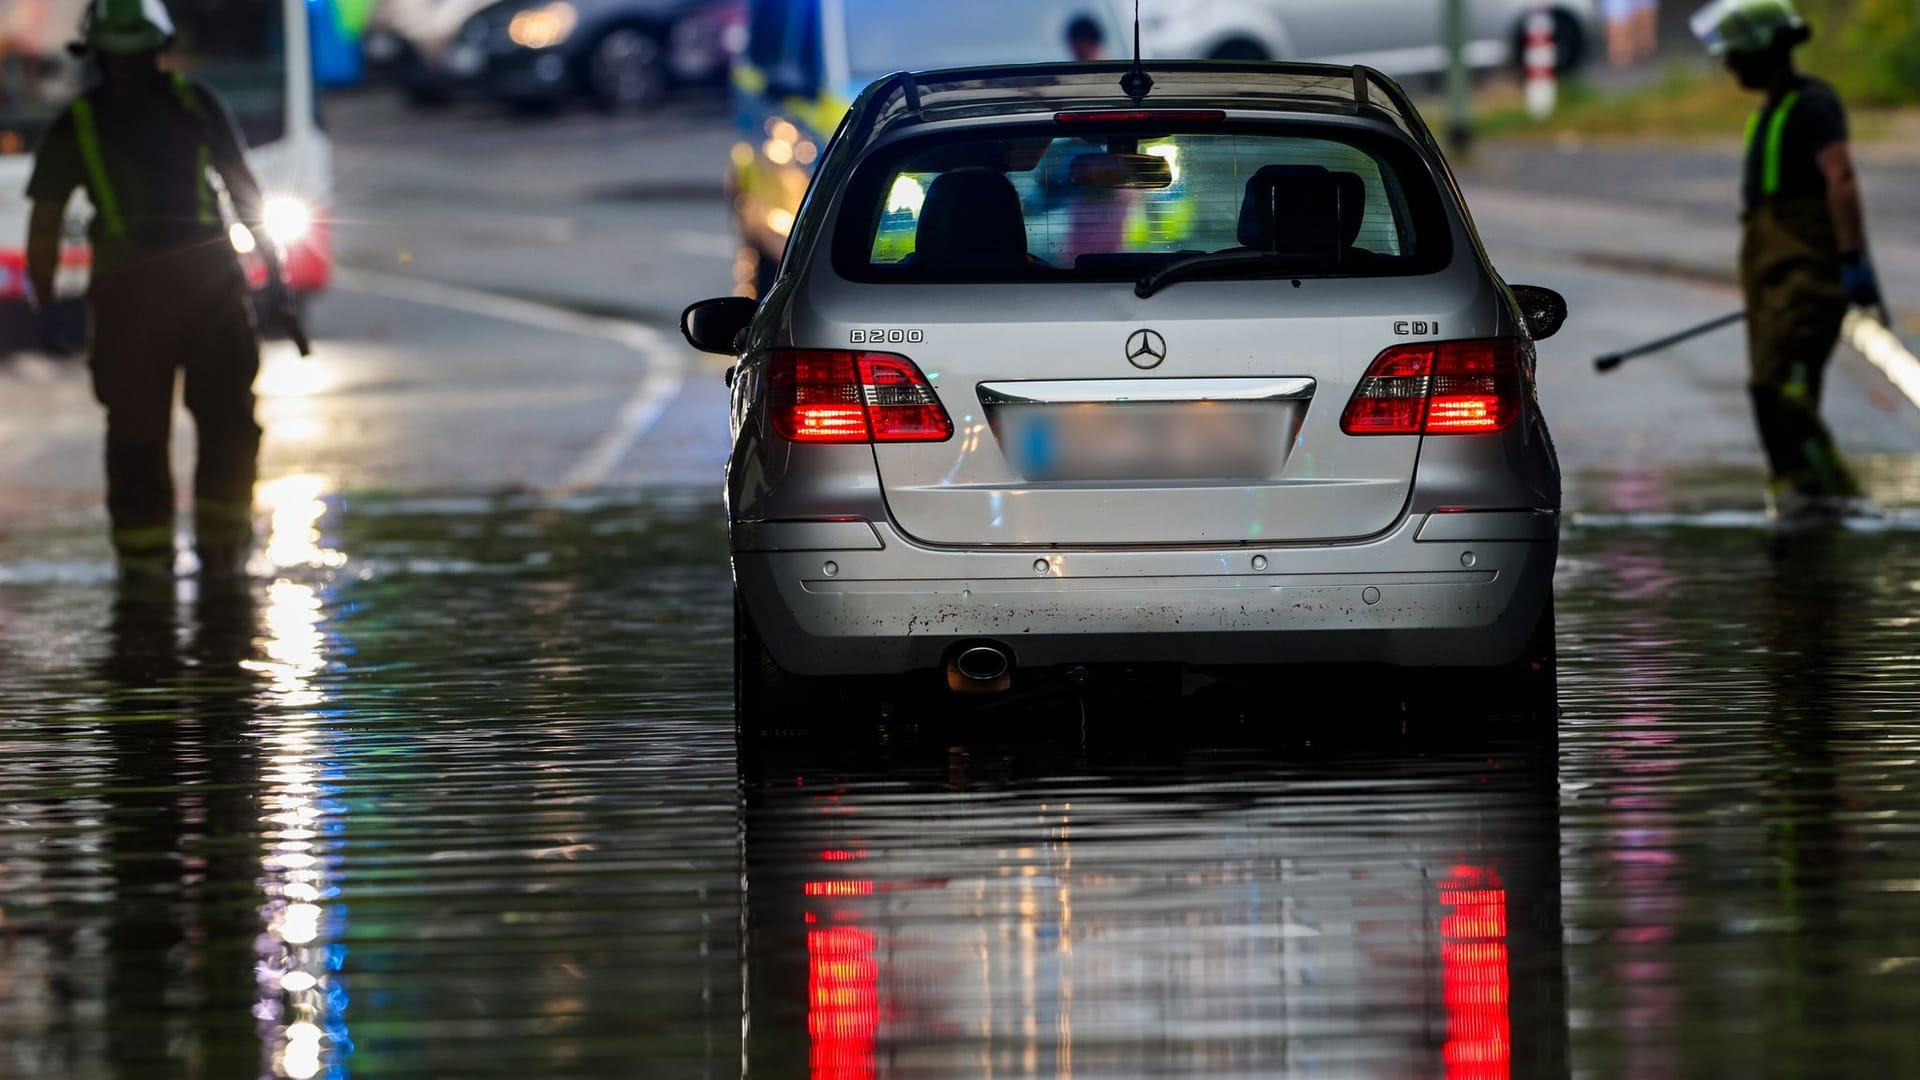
(1439,388)
(830,396)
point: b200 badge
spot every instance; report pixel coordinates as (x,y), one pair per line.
(887,336)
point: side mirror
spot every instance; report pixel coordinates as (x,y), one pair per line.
(715,326)
(1544,310)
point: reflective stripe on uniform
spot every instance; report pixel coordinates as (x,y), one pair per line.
(224,510)
(1776,139)
(1796,385)
(87,134)
(143,538)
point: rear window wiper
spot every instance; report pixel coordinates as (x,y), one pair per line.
(1196,265)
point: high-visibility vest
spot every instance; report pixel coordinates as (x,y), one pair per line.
(1776,138)
(106,202)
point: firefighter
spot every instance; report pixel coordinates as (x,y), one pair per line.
(168,297)
(1803,252)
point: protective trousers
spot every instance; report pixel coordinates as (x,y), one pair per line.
(1790,272)
(152,318)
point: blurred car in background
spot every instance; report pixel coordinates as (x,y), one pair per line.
(1400,37)
(626,55)
(806,60)
(411,44)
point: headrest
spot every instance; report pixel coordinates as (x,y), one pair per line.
(1294,210)
(971,220)
(1353,205)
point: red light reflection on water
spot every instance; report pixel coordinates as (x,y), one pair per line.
(839,888)
(1473,959)
(843,1002)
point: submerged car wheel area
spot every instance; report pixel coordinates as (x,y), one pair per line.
(1052,382)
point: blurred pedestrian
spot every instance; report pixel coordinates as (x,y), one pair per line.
(1803,252)
(168,294)
(1646,28)
(1085,40)
(1632,30)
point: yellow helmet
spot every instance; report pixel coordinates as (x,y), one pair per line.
(1745,26)
(122,27)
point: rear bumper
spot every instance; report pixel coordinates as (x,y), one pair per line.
(889,606)
(528,75)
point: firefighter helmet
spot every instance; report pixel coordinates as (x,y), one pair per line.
(122,27)
(1748,26)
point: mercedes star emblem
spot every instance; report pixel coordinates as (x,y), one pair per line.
(1146,349)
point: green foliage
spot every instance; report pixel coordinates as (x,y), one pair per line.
(1869,48)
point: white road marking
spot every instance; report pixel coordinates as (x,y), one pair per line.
(665,373)
(1885,351)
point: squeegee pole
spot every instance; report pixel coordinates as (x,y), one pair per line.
(1614,360)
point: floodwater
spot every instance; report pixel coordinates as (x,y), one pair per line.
(452,790)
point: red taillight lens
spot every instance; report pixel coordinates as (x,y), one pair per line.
(1440,388)
(829,396)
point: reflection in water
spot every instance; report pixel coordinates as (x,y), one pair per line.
(1734,739)
(177,718)
(197,731)
(1204,914)
(212,780)
(529,732)
(301,1000)
(295,508)
(1474,963)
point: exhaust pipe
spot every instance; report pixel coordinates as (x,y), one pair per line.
(980,668)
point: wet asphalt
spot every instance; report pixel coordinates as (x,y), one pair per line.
(469,803)
(450,787)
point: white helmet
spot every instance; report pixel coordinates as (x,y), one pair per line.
(1747,26)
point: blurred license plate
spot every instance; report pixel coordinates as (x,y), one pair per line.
(1160,441)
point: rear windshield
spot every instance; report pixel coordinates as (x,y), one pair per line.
(1064,204)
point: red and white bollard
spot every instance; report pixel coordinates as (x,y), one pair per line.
(1542,60)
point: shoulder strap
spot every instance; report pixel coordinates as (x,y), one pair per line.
(86,132)
(1776,140)
(189,97)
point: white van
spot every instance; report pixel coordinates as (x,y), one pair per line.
(1400,37)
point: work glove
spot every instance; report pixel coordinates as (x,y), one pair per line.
(1856,277)
(51,331)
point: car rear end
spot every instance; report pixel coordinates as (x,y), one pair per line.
(965,432)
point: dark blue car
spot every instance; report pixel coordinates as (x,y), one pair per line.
(626,55)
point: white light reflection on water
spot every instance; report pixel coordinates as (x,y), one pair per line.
(300,1004)
(294,539)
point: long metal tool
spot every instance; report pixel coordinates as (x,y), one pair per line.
(1614,360)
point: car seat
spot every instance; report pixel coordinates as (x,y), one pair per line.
(1305,211)
(971,222)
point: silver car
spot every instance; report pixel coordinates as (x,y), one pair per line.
(1056,378)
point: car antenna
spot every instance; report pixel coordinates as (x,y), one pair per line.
(1136,84)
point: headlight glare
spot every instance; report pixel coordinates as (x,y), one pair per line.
(543,27)
(288,219)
